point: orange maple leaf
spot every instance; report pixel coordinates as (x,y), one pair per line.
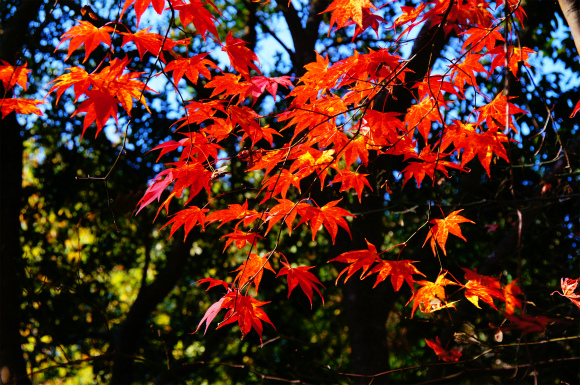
(512,302)
(431,297)
(345,10)
(480,38)
(568,290)
(231,85)
(20,106)
(421,116)
(191,67)
(452,355)
(77,77)
(350,180)
(398,270)
(150,42)
(329,216)
(465,71)
(301,276)
(11,75)
(495,113)
(192,175)
(441,229)
(474,291)
(86,34)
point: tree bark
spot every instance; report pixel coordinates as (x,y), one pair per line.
(571,10)
(12,365)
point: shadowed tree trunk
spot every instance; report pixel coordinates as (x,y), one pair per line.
(12,366)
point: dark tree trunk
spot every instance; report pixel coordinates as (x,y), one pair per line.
(149,297)
(12,365)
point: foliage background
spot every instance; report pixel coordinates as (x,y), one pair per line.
(106,297)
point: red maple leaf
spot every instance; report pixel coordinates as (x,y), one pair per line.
(528,323)
(252,270)
(280,183)
(261,83)
(480,38)
(241,57)
(329,216)
(86,34)
(301,276)
(210,314)
(398,270)
(230,85)
(213,283)
(150,42)
(195,12)
(431,162)
(141,6)
(287,210)
(20,106)
(441,229)
(568,290)
(234,212)
(410,14)
(246,311)
(99,106)
(422,115)
(246,118)
(350,180)
(11,75)
(190,67)
(465,71)
(451,355)
(515,55)
(240,238)
(156,188)
(188,218)
(358,259)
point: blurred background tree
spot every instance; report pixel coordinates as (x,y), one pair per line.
(92,293)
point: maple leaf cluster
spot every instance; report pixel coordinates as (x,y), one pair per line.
(332,127)
(10,77)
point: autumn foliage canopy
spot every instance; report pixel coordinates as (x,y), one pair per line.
(334,126)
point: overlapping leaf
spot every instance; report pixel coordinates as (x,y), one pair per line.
(301,276)
(441,229)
